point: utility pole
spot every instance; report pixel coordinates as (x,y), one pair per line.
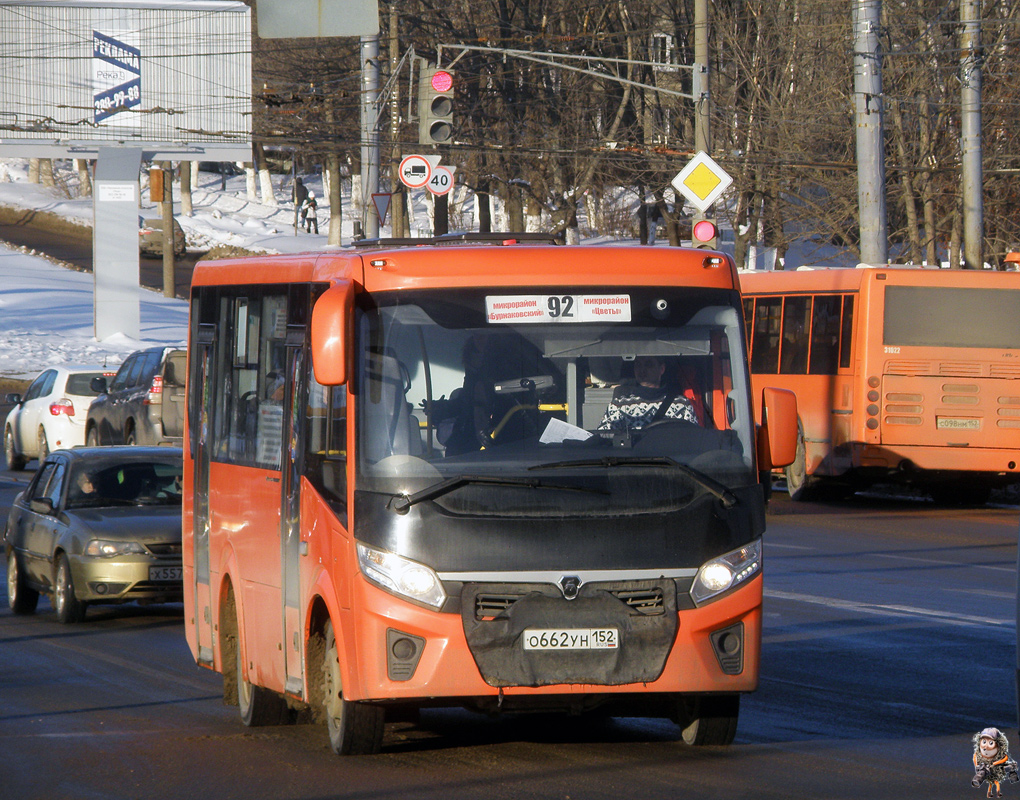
(970,134)
(870,148)
(702,102)
(369,133)
(167,215)
(396,198)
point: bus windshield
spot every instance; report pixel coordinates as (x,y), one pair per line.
(475,410)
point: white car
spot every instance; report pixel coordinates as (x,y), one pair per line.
(51,415)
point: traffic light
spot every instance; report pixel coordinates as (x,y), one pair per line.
(705,233)
(435,106)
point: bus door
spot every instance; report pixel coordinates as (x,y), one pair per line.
(290,506)
(203,385)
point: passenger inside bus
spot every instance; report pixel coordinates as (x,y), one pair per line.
(648,398)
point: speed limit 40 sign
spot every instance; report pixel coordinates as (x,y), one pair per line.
(441,181)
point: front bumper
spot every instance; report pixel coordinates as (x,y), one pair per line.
(446,667)
(127,579)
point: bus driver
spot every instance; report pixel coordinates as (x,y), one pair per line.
(647,399)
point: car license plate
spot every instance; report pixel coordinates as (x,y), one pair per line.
(571,639)
(166,573)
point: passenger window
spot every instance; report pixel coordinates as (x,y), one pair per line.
(825,335)
(765,349)
(49,378)
(846,334)
(55,486)
(150,366)
(120,380)
(42,478)
(36,388)
(796,322)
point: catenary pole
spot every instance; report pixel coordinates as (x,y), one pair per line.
(870,151)
(970,134)
(369,133)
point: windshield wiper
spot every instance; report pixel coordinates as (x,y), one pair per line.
(401,503)
(711,485)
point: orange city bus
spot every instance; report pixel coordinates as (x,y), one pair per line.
(398,494)
(902,374)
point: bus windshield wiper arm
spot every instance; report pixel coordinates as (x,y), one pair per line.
(401,503)
(711,485)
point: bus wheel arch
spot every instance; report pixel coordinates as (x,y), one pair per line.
(354,728)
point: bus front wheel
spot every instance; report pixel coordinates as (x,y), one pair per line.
(354,728)
(799,484)
(708,720)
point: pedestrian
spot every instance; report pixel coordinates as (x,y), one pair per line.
(300,194)
(309,213)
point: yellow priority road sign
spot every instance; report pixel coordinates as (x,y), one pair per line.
(702,181)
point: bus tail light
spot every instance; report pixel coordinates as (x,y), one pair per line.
(724,573)
(401,576)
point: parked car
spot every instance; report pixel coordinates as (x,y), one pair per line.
(143,404)
(51,414)
(150,237)
(97,525)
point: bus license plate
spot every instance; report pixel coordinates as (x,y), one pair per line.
(571,639)
(950,423)
(166,573)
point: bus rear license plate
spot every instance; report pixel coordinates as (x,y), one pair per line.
(166,573)
(571,639)
(951,423)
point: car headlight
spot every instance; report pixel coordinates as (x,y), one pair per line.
(106,548)
(401,576)
(723,573)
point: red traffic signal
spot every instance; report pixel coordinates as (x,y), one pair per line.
(704,231)
(442,81)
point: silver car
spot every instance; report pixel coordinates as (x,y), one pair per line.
(97,525)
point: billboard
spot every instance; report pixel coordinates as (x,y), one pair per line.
(133,72)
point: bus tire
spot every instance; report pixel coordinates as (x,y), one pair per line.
(354,728)
(799,484)
(709,720)
(258,706)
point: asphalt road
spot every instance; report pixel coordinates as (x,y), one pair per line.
(72,244)
(889,642)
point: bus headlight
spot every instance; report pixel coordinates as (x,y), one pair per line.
(723,573)
(401,576)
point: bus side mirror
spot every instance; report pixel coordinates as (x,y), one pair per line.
(777,436)
(331,319)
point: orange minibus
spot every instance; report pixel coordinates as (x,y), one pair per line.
(429,474)
(902,374)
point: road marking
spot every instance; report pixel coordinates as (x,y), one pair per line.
(942,563)
(887,610)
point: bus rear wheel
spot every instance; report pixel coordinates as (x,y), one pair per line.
(709,720)
(258,706)
(354,728)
